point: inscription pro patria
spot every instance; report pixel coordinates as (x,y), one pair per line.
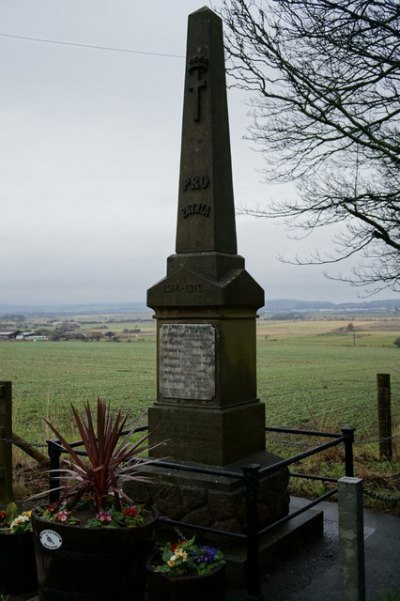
(187,361)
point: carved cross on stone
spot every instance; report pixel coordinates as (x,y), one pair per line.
(197,66)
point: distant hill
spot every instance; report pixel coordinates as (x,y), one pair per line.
(73,309)
(285,305)
(291,305)
(272,306)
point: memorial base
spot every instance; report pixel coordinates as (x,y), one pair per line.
(214,501)
(210,436)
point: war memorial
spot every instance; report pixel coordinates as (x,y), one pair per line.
(207,412)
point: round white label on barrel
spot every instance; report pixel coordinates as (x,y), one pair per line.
(50,539)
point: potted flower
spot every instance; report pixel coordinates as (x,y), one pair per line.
(93,544)
(186,571)
(17,558)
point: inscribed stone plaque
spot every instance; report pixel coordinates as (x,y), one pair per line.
(187,361)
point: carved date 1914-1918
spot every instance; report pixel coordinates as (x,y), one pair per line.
(190,288)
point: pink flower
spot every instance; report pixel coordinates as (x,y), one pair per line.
(62,516)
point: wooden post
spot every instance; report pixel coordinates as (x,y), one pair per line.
(5,443)
(29,450)
(384,417)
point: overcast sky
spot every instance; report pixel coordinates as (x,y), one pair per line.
(89,157)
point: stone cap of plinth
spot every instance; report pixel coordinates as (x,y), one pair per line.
(186,288)
(212,264)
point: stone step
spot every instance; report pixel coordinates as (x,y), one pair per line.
(274,545)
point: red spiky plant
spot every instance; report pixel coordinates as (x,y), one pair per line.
(111,459)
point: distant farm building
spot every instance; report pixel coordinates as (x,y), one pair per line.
(9,334)
(32,336)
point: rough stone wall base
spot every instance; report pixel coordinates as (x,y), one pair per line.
(214,501)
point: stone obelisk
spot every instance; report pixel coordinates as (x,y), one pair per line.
(207,409)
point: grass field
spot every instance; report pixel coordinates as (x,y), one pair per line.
(318,374)
(309,372)
(48,376)
(313,373)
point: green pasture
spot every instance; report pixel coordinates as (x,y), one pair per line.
(308,375)
(48,376)
(326,380)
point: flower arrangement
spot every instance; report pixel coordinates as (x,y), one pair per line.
(13,522)
(92,485)
(17,555)
(95,515)
(85,514)
(185,558)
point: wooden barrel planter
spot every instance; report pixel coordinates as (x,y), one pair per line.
(17,564)
(91,564)
(210,587)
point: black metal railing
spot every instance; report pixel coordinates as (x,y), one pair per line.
(250,475)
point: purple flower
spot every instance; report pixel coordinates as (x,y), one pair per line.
(206,554)
(104,517)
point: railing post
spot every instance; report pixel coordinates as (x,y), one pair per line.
(54,464)
(351,539)
(348,434)
(384,417)
(253,583)
(6,494)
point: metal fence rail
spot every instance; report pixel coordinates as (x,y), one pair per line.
(250,475)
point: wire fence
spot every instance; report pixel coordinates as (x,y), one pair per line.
(312,407)
(383,495)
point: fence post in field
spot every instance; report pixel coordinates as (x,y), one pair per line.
(5,443)
(351,539)
(348,434)
(384,417)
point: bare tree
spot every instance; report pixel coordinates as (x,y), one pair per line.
(326,114)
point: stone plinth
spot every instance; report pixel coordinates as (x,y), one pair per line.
(207,410)
(207,436)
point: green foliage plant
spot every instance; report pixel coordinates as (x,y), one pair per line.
(13,522)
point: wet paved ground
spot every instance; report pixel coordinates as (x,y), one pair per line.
(312,573)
